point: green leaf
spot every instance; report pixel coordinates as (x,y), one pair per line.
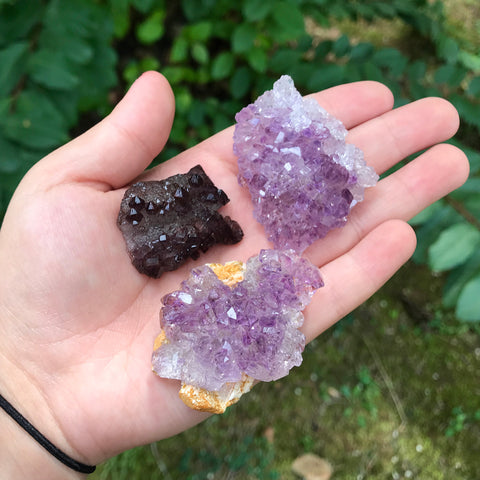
(9,158)
(289,19)
(149,63)
(302,72)
(5,105)
(262,83)
(11,62)
(468,305)
(474,87)
(353,72)
(18,19)
(468,110)
(174,74)
(429,232)
(255,10)
(120,16)
(77,50)
(472,205)
(240,82)
(469,60)
(426,214)
(50,69)
(283,59)
(448,49)
(36,122)
(304,43)
(450,74)
(243,38)
(470,187)
(341,46)
(144,6)
(416,70)
(221,121)
(179,51)
(385,57)
(391,58)
(75,18)
(195,10)
(151,29)
(200,53)
(323,49)
(473,155)
(453,246)
(326,76)
(223,65)
(361,52)
(372,72)
(458,278)
(199,32)
(97,78)
(386,10)
(196,113)
(365,11)
(257,59)
(183,99)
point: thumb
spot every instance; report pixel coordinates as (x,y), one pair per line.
(121,146)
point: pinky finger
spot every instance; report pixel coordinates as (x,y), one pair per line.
(355,276)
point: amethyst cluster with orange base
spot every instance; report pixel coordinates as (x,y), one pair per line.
(232,323)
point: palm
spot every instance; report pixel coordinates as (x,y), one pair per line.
(91,318)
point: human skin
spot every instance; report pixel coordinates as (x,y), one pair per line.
(77,321)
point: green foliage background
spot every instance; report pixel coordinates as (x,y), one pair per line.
(64,64)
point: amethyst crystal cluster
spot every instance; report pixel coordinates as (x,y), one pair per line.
(215,332)
(169,221)
(302,176)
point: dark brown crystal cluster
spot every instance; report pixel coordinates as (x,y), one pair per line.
(166,222)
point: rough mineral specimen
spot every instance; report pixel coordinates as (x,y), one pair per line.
(166,222)
(216,333)
(302,176)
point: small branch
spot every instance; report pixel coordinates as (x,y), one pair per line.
(388,382)
(458,206)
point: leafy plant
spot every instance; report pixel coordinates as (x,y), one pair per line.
(57,62)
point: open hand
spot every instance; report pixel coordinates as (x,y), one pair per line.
(77,321)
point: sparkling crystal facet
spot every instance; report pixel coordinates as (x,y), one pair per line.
(302,176)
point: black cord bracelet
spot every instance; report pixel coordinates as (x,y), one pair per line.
(43,441)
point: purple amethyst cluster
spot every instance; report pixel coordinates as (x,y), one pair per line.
(302,176)
(215,332)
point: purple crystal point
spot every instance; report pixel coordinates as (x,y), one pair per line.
(302,176)
(215,332)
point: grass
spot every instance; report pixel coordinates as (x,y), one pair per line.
(391,392)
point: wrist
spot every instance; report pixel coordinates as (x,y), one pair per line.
(20,453)
(22,457)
